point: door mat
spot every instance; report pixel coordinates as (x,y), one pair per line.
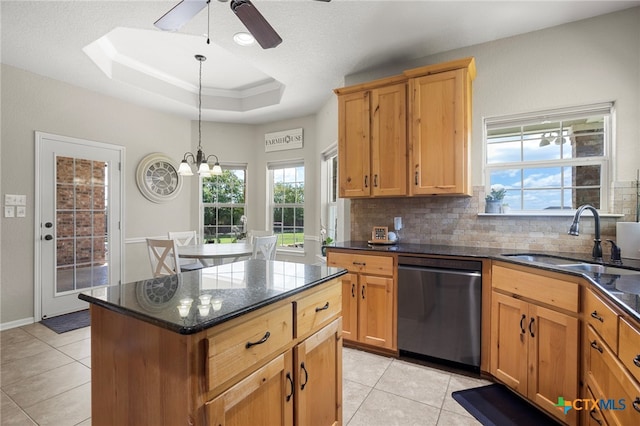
(68,322)
(498,406)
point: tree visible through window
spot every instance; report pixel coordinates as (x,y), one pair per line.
(287,204)
(223,204)
(554,160)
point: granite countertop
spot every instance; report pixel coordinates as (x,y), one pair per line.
(237,288)
(623,290)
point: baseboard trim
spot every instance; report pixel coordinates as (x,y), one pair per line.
(17,323)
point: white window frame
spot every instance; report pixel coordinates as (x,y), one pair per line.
(277,165)
(329,198)
(605,161)
(203,205)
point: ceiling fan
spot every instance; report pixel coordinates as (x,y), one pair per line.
(261,30)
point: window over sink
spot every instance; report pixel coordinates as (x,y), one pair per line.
(553,160)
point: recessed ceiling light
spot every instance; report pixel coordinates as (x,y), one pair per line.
(243,39)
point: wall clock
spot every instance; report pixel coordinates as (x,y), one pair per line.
(158,178)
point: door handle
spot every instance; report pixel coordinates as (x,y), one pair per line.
(48,237)
(48,225)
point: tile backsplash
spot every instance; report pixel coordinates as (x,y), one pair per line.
(455,221)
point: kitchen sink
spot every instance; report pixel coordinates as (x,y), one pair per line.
(598,269)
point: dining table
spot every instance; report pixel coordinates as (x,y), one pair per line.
(215,253)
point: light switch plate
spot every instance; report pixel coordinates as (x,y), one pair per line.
(9,211)
(21,211)
(9,200)
(21,200)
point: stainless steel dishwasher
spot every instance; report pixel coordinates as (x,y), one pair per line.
(439,309)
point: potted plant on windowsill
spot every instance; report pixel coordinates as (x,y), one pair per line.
(494,199)
(326,241)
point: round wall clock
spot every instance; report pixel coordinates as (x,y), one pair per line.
(158,178)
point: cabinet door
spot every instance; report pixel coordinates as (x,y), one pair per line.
(553,359)
(389,140)
(509,341)
(439,129)
(264,398)
(375,310)
(350,307)
(318,360)
(354,158)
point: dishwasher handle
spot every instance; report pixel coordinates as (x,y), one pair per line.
(441,271)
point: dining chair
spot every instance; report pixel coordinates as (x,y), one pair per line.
(185,238)
(265,247)
(163,255)
(257,233)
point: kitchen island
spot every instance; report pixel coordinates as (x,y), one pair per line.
(270,341)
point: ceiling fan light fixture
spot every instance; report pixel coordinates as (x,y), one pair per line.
(253,20)
(243,38)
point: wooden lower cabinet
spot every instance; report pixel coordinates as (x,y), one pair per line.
(281,394)
(534,349)
(368,299)
(263,398)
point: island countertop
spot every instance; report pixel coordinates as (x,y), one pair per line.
(237,288)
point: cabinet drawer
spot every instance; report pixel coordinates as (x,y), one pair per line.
(618,389)
(629,350)
(239,348)
(317,309)
(552,291)
(602,318)
(362,263)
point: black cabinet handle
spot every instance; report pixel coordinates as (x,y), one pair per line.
(324,308)
(292,386)
(360,263)
(353,290)
(595,346)
(591,414)
(306,376)
(375,181)
(259,342)
(362,292)
(636,360)
(636,404)
(416,178)
(595,315)
(521,323)
(366,181)
(531,327)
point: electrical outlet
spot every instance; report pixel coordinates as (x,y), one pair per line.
(9,211)
(21,211)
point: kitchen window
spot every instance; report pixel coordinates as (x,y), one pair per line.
(551,161)
(286,181)
(329,218)
(223,205)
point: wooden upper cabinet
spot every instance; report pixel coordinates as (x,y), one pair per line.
(372,142)
(354,158)
(407,134)
(440,122)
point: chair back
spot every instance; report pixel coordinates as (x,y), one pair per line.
(265,247)
(255,233)
(163,255)
(184,238)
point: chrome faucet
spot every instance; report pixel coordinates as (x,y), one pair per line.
(596,253)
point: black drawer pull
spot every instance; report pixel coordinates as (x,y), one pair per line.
(591,414)
(306,376)
(595,346)
(259,342)
(636,360)
(324,308)
(292,386)
(360,263)
(636,404)
(595,315)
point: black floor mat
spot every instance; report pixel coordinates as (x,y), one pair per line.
(68,322)
(496,405)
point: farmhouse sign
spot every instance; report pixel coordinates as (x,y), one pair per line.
(280,141)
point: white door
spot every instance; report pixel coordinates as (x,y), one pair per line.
(78,221)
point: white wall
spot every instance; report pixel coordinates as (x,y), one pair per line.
(589,61)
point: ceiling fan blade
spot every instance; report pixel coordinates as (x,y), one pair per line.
(180,14)
(261,30)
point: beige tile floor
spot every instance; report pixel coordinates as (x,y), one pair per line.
(45,379)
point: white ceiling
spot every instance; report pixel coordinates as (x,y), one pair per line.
(113,48)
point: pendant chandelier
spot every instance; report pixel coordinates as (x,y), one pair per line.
(199,161)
